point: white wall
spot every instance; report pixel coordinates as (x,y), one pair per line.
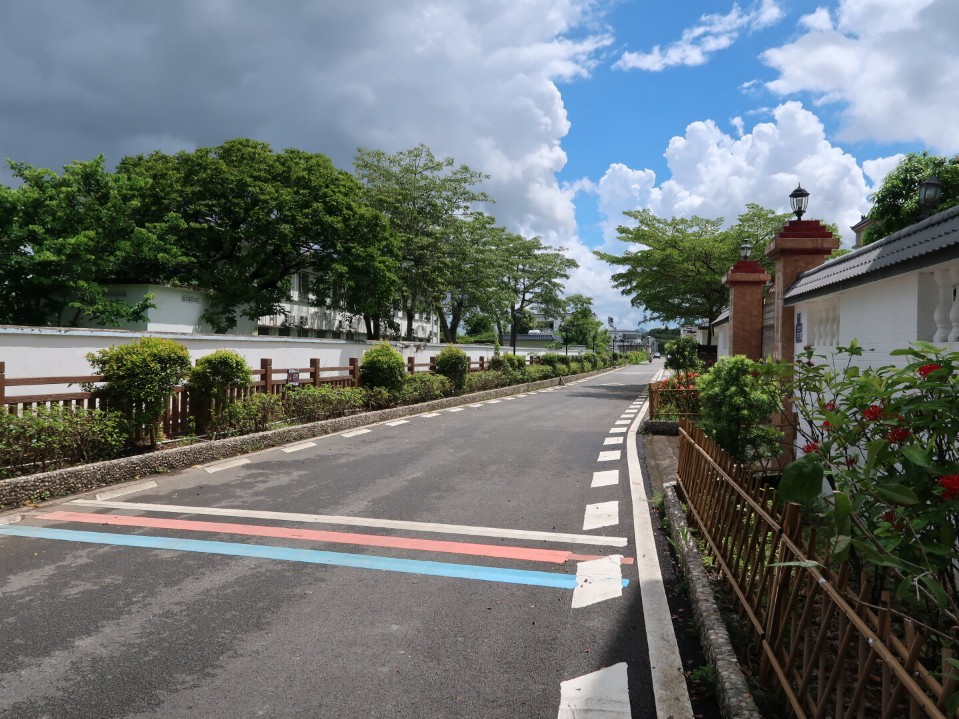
(60,352)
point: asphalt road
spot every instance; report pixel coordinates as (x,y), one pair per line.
(121,610)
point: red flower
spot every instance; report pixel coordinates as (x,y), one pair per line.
(898,434)
(851,461)
(928,369)
(829,406)
(827,426)
(874,413)
(807,348)
(950,483)
(810,447)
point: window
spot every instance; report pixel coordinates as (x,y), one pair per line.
(263,331)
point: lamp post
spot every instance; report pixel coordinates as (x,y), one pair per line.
(798,199)
(745,249)
(930,191)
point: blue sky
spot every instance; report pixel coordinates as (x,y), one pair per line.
(577,109)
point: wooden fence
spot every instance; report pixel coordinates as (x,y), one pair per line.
(824,641)
(181,407)
(666,403)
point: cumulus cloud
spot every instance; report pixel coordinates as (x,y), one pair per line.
(892,66)
(713,174)
(714,32)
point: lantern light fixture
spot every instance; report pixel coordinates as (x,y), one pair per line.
(798,199)
(930,191)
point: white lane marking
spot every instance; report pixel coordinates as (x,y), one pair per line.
(363,522)
(623,421)
(294,448)
(669,682)
(10,519)
(430,414)
(492,401)
(612,384)
(455,409)
(601,514)
(598,580)
(525,394)
(397,423)
(226,465)
(354,433)
(509,398)
(610,456)
(618,429)
(605,478)
(612,440)
(603,694)
(478,404)
(120,491)
(628,412)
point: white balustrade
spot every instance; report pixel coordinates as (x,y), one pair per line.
(954,312)
(944,305)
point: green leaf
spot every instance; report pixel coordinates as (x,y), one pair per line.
(874,556)
(806,564)
(801,479)
(938,593)
(842,508)
(917,455)
(898,493)
(840,546)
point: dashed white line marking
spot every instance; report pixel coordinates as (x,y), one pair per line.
(455,409)
(355,433)
(478,404)
(605,478)
(509,398)
(492,401)
(601,514)
(525,394)
(533,535)
(120,491)
(298,447)
(226,465)
(430,414)
(613,440)
(598,580)
(603,694)
(397,423)
(619,429)
(610,456)
(623,421)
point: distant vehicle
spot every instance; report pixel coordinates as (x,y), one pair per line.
(656,355)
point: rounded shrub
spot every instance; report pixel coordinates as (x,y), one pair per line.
(139,379)
(383,366)
(682,354)
(498,363)
(217,373)
(537,373)
(486,380)
(425,388)
(454,364)
(517,363)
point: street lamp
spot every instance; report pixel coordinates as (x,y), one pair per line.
(745,249)
(799,198)
(929,193)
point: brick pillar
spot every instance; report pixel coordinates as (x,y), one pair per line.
(745,281)
(799,246)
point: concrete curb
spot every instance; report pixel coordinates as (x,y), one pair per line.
(732,691)
(34,488)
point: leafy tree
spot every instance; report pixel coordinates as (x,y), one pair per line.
(423,196)
(896,202)
(580,326)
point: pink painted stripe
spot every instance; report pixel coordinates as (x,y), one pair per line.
(367,540)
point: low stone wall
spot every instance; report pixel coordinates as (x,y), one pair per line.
(732,691)
(20,491)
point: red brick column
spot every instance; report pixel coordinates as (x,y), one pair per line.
(745,281)
(799,246)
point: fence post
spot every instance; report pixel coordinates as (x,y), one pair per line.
(3,386)
(411,365)
(433,364)
(267,366)
(482,363)
(355,371)
(315,369)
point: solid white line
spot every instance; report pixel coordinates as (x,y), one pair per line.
(226,465)
(363,522)
(295,447)
(669,682)
(601,514)
(612,440)
(605,478)
(618,429)
(598,580)
(610,456)
(354,433)
(397,423)
(120,491)
(603,694)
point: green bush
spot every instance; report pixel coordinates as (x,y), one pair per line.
(576,367)
(683,354)
(735,404)
(516,363)
(589,360)
(214,379)
(425,388)
(485,380)
(550,359)
(498,363)
(140,378)
(255,413)
(454,364)
(537,373)
(312,404)
(383,366)
(380,398)
(49,438)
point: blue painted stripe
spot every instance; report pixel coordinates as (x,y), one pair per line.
(312,556)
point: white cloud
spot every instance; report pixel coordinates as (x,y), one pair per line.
(892,65)
(713,33)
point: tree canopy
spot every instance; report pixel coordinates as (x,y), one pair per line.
(896,202)
(580,325)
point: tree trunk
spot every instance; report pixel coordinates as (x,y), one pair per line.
(498,321)
(409,324)
(377,327)
(368,321)
(444,327)
(512,328)
(456,316)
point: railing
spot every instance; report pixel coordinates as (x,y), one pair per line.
(666,403)
(824,641)
(181,407)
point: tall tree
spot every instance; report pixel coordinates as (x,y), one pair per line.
(423,196)
(896,202)
(580,324)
